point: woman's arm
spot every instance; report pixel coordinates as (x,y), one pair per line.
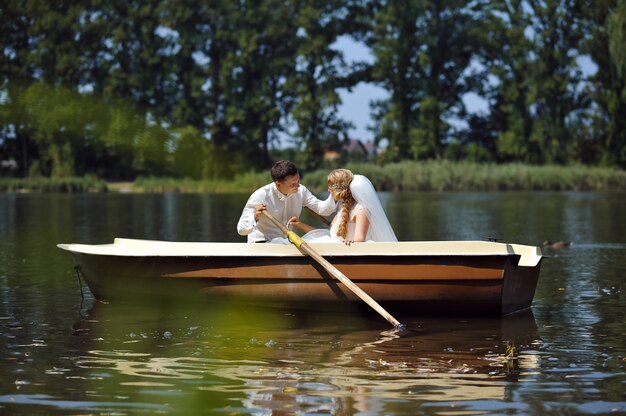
(361,226)
(295,222)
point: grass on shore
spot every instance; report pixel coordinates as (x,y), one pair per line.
(67,185)
(467,176)
(424,176)
(396,177)
(245,182)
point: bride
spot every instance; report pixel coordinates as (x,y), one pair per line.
(360,218)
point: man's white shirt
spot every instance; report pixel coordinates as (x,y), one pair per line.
(281,207)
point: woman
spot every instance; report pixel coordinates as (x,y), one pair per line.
(361,216)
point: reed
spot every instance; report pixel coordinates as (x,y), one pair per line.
(66,185)
(466,176)
(424,176)
(245,182)
(434,175)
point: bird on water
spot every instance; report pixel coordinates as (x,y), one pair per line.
(557,245)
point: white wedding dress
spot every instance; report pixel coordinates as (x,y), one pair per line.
(365,195)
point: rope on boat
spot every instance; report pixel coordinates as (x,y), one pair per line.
(82,295)
(80,284)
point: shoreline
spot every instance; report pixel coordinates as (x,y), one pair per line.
(435,176)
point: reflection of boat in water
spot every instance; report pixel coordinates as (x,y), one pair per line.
(307,365)
(462,277)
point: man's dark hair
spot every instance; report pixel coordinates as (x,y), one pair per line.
(282,169)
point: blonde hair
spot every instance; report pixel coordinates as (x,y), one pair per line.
(339,181)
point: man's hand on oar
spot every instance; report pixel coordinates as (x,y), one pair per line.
(258,210)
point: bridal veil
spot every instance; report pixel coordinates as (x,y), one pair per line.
(364,193)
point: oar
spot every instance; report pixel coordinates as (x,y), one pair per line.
(304,247)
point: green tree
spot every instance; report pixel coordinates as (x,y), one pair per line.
(55,50)
(51,117)
(40,43)
(257,72)
(189,153)
(73,133)
(505,53)
(320,71)
(605,45)
(135,55)
(537,103)
(203,37)
(15,57)
(423,54)
(555,96)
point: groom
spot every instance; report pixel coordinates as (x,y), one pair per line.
(284,198)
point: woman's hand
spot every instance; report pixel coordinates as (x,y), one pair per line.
(295,222)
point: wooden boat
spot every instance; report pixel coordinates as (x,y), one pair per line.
(456,277)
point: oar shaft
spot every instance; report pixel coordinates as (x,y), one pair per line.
(333,271)
(350,284)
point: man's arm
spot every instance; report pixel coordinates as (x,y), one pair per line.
(247,223)
(324,208)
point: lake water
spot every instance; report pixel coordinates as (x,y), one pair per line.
(63,353)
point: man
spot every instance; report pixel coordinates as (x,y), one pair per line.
(284,199)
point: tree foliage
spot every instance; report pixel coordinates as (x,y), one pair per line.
(204,90)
